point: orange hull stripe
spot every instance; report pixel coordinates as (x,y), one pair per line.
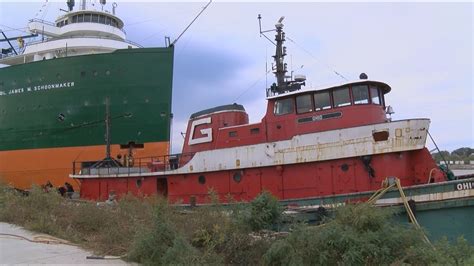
(22,168)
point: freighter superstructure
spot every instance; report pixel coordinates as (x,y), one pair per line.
(53,95)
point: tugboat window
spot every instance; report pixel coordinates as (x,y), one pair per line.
(283,107)
(341,97)
(322,101)
(374,94)
(95,18)
(360,94)
(102,19)
(87,18)
(304,104)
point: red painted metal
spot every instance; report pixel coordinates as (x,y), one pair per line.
(230,129)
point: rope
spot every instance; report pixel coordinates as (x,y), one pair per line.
(379,193)
(45,239)
(439,151)
(429,176)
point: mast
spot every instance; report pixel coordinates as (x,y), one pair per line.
(282,85)
(107,128)
(280,54)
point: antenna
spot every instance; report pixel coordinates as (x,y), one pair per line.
(204,8)
(114,6)
(70,4)
(102,3)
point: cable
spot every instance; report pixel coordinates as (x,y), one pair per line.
(15,29)
(316,59)
(251,86)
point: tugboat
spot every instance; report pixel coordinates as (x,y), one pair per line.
(311,142)
(315,147)
(53,94)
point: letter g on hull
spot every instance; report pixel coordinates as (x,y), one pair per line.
(206,132)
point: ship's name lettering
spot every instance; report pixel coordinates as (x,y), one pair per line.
(38,88)
(465,186)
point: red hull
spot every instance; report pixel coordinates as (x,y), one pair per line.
(293,181)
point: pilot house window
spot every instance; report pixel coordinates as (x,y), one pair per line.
(341,97)
(374,94)
(322,101)
(284,106)
(304,104)
(360,94)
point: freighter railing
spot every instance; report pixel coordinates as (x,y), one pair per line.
(131,166)
(90,37)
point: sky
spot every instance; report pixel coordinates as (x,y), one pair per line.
(424,51)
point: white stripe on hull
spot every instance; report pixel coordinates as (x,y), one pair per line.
(404,135)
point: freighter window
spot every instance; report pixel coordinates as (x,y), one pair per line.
(74,19)
(102,19)
(341,97)
(80,18)
(87,17)
(283,107)
(107,20)
(374,94)
(360,94)
(322,101)
(304,104)
(95,18)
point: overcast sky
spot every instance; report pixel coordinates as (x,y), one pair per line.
(424,51)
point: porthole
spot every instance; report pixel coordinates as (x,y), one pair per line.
(107,72)
(237,176)
(202,179)
(138,183)
(83,74)
(95,73)
(345,167)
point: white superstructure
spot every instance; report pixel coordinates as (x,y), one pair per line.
(77,32)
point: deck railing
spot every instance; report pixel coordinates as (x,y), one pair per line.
(131,166)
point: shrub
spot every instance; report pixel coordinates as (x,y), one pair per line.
(358,235)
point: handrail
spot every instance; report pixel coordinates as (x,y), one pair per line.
(43,21)
(54,25)
(90,37)
(137,165)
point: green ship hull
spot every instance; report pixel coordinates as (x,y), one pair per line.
(59,103)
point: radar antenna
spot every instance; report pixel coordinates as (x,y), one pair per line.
(283,85)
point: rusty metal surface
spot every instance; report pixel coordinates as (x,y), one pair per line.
(403,135)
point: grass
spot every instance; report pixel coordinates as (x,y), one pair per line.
(151,232)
